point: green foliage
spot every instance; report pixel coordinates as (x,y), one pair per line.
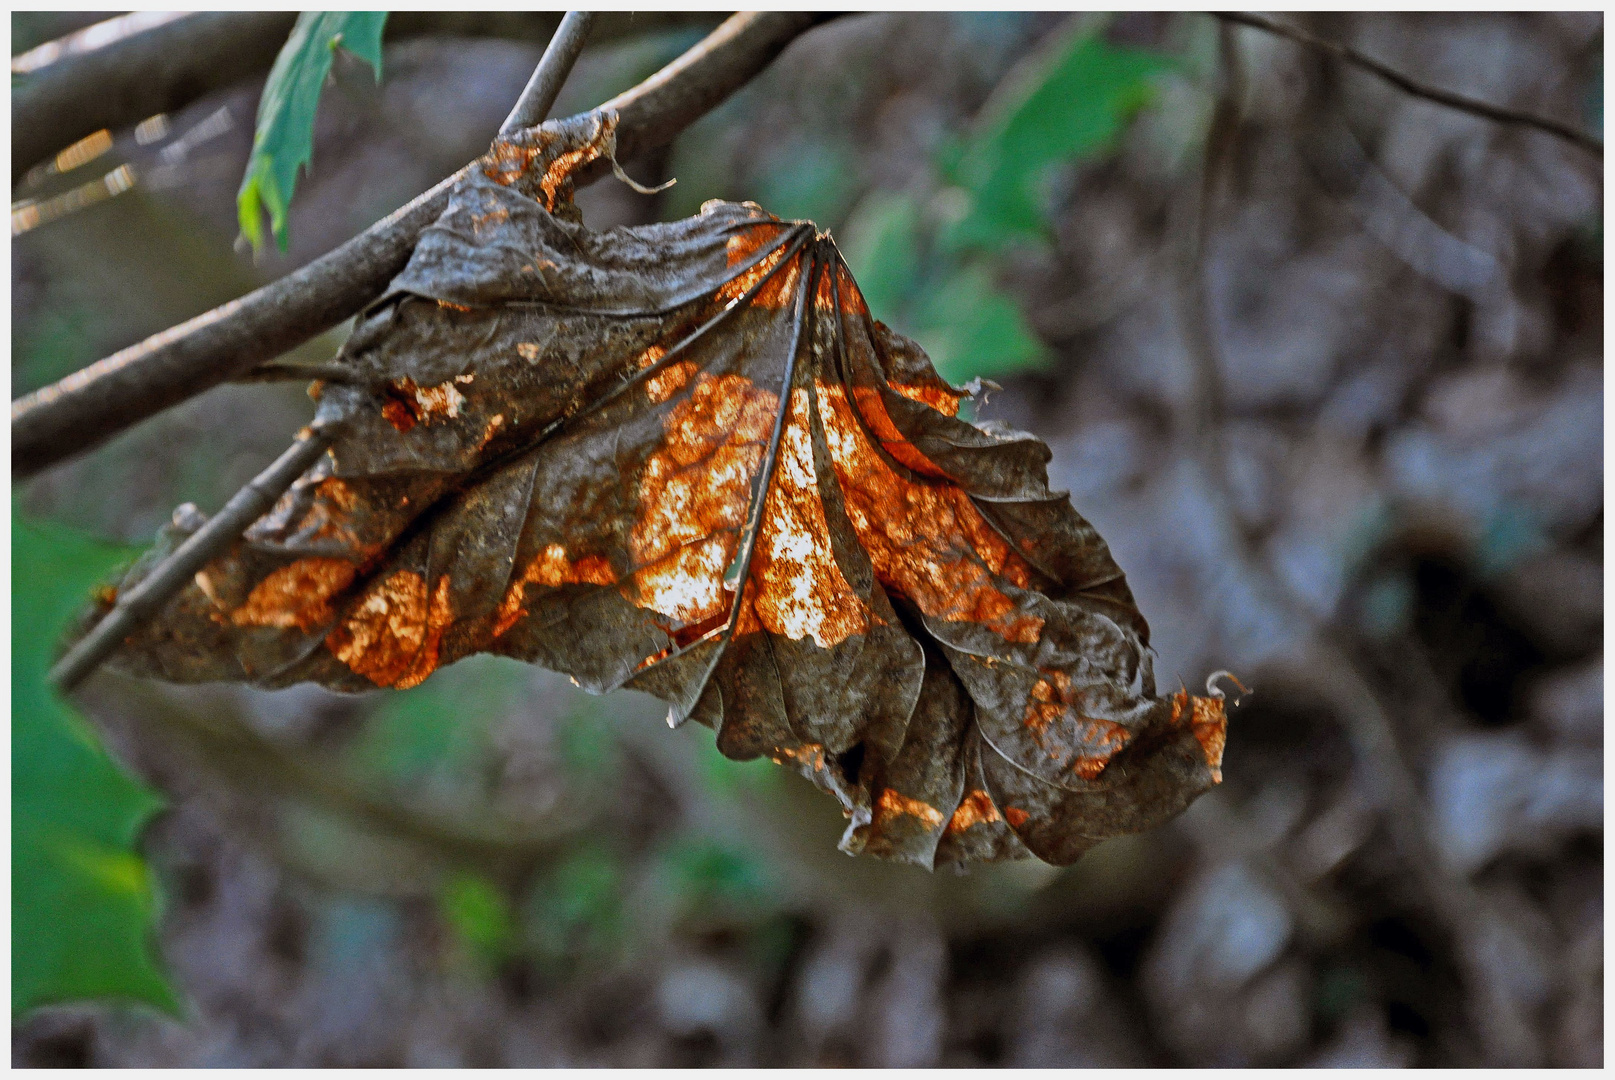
(817,180)
(480,916)
(882,249)
(82,898)
(575,909)
(702,873)
(929,266)
(284,140)
(970,327)
(726,777)
(57,343)
(440,726)
(585,742)
(1068,104)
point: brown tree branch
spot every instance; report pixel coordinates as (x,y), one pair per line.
(1569,133)
(91,405)
(545,85)
(164,68)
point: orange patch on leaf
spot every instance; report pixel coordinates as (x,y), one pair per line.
(892,803)
(741,247)
(670,380)
(1208,719)
(498,215)
(327,519)
(391,636)
(1047,700)
(408,403)
(557,177)
(551,568)
(439,617)
(976,808)
(873,411)
(927,542)
(693,492)
(800,590)
(337,493)
(297,595)
(852,299)
(1048,704)
(809,754)
(651,354)
(935,397)
(1109,736)
(506,162)
(495,422)
(398,415)
(509,161)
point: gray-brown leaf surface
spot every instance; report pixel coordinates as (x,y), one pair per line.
(682,458)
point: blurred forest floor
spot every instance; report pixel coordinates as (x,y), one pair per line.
(1321,361)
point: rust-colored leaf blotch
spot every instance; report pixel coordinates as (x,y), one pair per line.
(296,596)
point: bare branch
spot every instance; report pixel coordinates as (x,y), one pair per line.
(203,546)
(545,85)
(164,68)
(96,403)
(1571,134)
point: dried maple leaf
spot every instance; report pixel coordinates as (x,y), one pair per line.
(682,458)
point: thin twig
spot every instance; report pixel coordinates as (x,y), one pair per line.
(206,544)
(1569,133)
(92,405)
(545,85)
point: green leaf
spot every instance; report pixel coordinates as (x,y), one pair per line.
(702,872)
(969,328)
(812,179)
(1068,103)
(480,916)
(576,907)
(881,245)
(587,748)
(82,899)
(440,726)
(284,140)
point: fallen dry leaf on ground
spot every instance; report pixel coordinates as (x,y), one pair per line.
(682,458)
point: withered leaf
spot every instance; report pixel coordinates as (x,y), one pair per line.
(683,458)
